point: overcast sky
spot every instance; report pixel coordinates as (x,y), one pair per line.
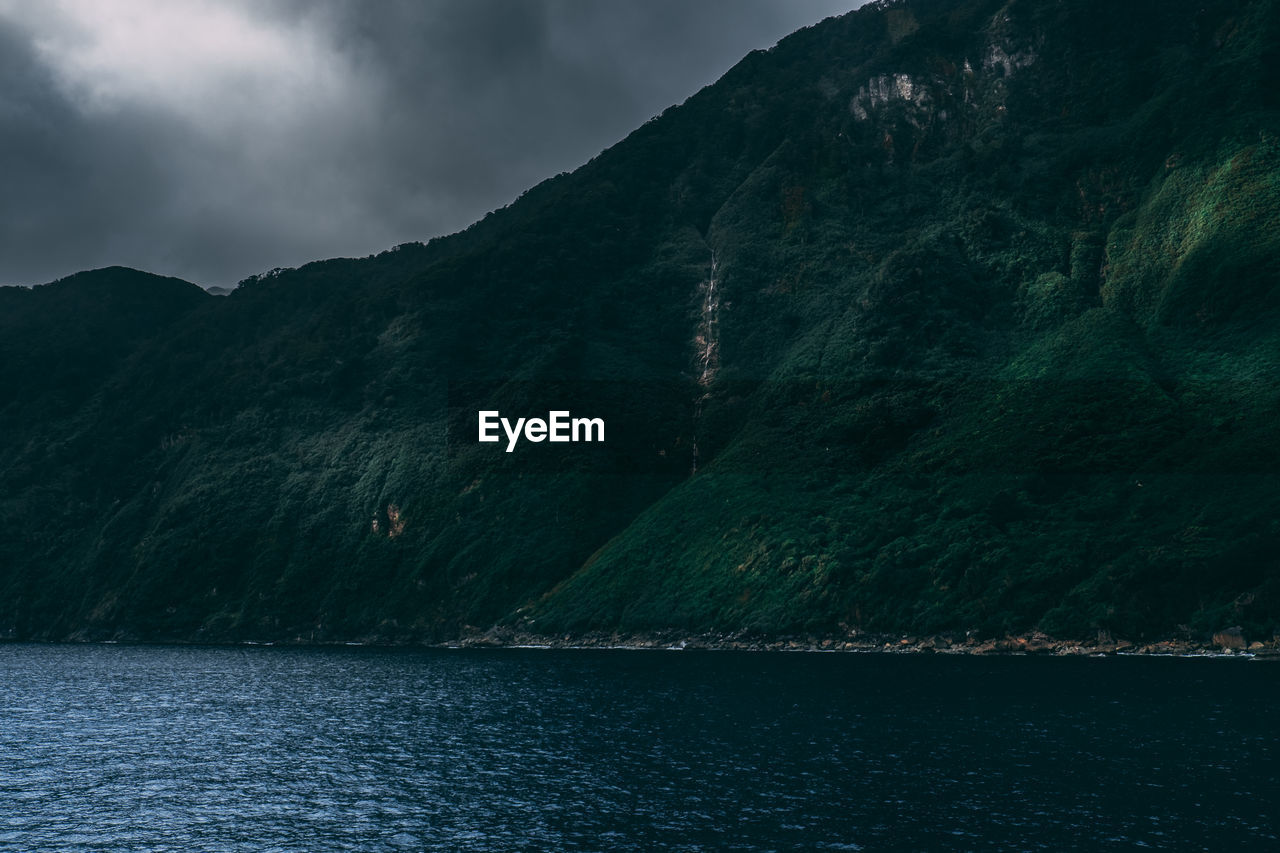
(213,140)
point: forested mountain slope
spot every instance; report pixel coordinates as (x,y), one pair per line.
(944,315)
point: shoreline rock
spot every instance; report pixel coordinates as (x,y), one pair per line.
(1021,644)
(1227,643)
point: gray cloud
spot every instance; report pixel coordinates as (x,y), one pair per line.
(213,141)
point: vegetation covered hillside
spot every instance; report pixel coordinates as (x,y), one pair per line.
(945,315)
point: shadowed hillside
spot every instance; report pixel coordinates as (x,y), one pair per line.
(944,315)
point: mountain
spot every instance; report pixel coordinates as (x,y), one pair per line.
(944,315)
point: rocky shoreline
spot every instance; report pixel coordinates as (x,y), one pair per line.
(1227,643)
(1230,642)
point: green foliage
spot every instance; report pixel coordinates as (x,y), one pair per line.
(995,349)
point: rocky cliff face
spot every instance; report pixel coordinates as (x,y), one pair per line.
(940,316)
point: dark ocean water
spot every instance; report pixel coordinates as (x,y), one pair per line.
(161,748)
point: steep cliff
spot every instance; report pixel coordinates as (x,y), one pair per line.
(942,315)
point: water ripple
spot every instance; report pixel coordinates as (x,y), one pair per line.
(158,748)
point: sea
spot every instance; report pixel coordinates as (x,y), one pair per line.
(156,748)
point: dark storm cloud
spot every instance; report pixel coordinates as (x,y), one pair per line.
(212,141)
(59,172)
